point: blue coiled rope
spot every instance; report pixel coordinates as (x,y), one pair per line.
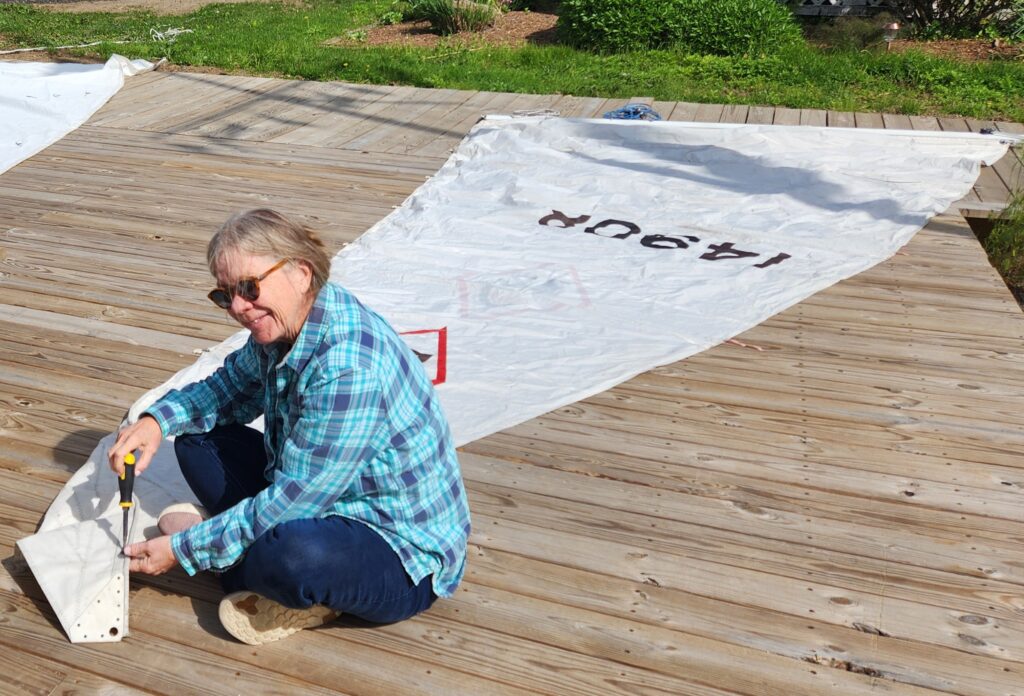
(634,112)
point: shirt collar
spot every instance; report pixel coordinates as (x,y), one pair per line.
(310,335)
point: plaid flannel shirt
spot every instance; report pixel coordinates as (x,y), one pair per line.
(353,427)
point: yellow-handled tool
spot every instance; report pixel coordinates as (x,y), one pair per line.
(126,482)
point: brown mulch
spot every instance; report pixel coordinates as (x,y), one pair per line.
(512,29)
(964,49)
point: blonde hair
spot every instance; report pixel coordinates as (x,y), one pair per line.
(265,232)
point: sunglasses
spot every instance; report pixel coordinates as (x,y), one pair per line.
(248,288)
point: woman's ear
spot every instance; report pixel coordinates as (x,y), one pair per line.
(305,277)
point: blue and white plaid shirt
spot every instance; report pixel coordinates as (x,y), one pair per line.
(353,427)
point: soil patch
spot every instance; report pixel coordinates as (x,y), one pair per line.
(964,49)
(512,29)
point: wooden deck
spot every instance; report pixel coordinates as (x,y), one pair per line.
(840,512)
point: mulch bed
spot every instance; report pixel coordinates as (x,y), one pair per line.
(512,29)
(964,49)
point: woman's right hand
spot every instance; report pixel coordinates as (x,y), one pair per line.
(145,436)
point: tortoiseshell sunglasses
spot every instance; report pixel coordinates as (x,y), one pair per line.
(248,288)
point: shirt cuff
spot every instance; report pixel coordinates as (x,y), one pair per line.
(164,416)
(181,549)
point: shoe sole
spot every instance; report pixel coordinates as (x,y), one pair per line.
(179,517)
(256,620)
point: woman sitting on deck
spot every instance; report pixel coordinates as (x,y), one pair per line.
(351,501)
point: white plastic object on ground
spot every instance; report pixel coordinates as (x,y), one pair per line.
(40,103)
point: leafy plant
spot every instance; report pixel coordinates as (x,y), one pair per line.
(452,16)
(716,27)
(953,17)
(532,5)
(391,17)
(1005,246)
(1016,28)
(847,33)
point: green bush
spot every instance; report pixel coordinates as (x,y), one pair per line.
(848,33)
(1016,20)
(533,5)
(955,18)
(716,27)
(452,16)
(1005,246)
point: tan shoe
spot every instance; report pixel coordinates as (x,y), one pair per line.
(179,517)
(254,619)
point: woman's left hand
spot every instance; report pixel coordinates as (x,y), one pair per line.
(152,557)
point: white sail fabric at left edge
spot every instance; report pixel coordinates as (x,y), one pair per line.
(40,103)
(76,553)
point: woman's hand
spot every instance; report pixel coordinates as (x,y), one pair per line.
(143,435)
(153,557)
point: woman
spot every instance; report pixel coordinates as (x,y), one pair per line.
(351,501)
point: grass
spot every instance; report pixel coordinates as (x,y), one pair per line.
(1005,246)
(287,41)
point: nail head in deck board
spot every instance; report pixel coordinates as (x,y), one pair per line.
(718,443)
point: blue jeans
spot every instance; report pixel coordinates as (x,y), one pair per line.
(334,561)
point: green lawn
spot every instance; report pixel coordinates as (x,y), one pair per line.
(287,40)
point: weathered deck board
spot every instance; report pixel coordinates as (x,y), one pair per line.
(838,512)
(841,119)
(787,117)
(709,113)
(684,111)
(761,115)
(1008,169)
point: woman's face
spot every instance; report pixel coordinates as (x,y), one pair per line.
(284,300)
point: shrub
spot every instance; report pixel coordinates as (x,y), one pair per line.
(452,16)
(847,33)
(539,5)
(1005,246)
(953,17)
(1016,31)
(718,27)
